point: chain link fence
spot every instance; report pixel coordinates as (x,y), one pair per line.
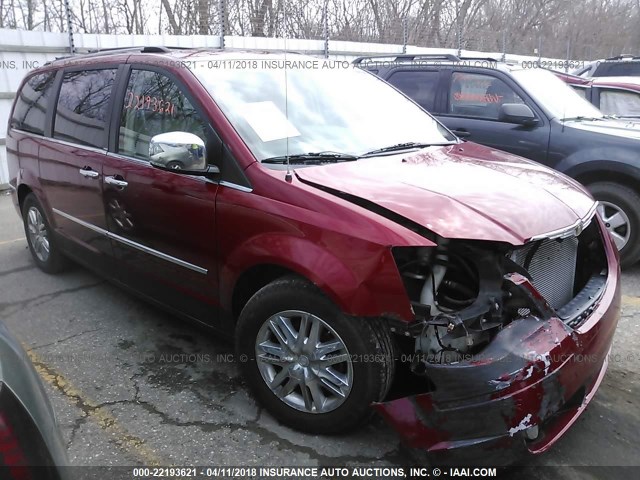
(561,29)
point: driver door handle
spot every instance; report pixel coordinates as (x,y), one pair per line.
(117,182)
(88,172)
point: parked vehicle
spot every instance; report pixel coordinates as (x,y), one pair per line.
(532,113)
(336,239)
(619,66)
(619,96)
(31,446)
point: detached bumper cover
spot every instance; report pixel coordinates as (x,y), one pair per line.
(535,373)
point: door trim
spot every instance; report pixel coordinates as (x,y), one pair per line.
(132,244)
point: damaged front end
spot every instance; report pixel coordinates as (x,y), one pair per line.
(509,343)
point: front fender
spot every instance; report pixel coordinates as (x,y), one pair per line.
(609,153)
(626,167)
(370,287)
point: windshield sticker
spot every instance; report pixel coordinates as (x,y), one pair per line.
(268,121)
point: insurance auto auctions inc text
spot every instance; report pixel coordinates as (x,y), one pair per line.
(359,472)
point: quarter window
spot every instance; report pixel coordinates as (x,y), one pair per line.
(153,104)
(479,96)
(420,86)
(83,104)
(30,111)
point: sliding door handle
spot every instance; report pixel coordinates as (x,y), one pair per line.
(116,182)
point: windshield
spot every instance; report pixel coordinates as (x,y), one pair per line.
(558,98)
(300,111)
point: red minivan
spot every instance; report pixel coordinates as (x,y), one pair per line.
(362,257)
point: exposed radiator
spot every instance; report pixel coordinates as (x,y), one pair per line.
(552,266)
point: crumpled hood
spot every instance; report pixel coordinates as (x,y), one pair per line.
(464,191)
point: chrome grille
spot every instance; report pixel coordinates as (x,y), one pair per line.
(552,266)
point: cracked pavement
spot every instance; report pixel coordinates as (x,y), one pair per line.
(132,385)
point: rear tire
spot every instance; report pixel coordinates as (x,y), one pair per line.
(40,237)
(620,211)
(286,366)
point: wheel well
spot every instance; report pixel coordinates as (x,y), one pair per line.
(23,191)
(253,280)
(609,176)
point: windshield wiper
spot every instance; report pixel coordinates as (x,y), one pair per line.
(312,157)
(397,147)
(581,118)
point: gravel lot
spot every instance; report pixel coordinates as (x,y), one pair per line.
(132,385)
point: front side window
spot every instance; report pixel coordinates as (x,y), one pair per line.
(619,102)
(420,86)
(30,111)
(479,96)
(154,105)
(580,91)
(82,113)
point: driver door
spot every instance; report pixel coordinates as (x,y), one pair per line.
(472,112)
(162,224)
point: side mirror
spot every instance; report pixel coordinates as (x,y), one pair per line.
(181,152)
(517,113)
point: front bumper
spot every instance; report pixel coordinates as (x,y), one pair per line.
(531,384)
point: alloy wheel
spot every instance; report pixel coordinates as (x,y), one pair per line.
(38,235)
(616,221)
(304,362)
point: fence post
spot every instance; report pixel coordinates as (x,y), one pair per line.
(504,45)
(539,48)
(325,27)
(566,65)
(222,15)
(459,29)
(405,34)
(72,47)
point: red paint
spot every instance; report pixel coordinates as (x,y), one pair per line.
(486,194)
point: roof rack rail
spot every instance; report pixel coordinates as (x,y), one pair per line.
(142,49)
(409,56)
(484,59)
(623,56)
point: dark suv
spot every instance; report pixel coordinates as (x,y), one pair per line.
(532,113)
(337,239)
(620,66)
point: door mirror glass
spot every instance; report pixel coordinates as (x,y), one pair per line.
(178,151)
(517,113)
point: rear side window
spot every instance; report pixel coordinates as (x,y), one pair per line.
(417,85)
(154,104)
(618,69)
(30,111)
(619,102)
(83,103)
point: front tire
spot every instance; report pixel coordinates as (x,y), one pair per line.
(314,368)
(619,209)
(42,243)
